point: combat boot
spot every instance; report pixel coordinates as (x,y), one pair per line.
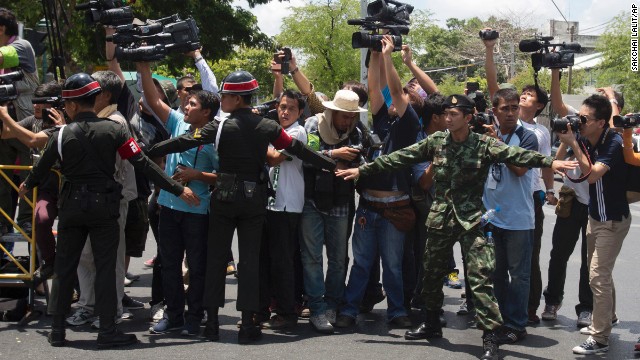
(109,336)
(489,346)
(430,329)
(57,335)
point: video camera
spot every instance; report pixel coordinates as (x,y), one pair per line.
(107,12)
(8,90)
(560,124)
(56,102)
(561,57)
(479,119)
(394,17)
(627,121)
(154,40)
(267,109)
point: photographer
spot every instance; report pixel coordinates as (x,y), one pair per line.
(186,83)
(532,101)
(181,227)
(609,217)
(34,132)
(398,125)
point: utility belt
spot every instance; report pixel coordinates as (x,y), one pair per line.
(400,213)
(86,197)
(229,187)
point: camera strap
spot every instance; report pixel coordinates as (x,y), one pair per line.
(584,176)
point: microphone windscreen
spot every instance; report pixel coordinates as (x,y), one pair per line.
(529,45)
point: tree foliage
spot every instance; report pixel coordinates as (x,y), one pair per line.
(615,67)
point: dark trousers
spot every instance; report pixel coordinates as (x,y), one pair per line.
(157,295)
(247,215)
(565,236)
(10,151)
(277,261)
(46,213)
(535,286)
(75,224)
(179,232)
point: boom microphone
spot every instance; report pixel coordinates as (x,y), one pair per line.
(529,45)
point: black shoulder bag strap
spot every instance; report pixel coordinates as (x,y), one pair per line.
(89,150)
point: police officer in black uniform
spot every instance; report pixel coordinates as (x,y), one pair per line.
(89,203)
(240,197)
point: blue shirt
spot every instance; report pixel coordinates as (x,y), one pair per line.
(608,195)
(207,161)
(510,192)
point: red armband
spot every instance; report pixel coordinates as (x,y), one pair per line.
(129,149)
(283,141)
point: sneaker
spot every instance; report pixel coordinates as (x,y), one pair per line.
(190,329)
(550,312)
(156,313)
(453,281)
(321,324)
(590,346)
(127,315)
(331,316)
(344,321)
(588,330)
(508,335)
(80,317)
(129,303)
(278,322)
(96,323)
(164,326)
(533,318)
(584,319)
(463,310)
(149,263)
(131,276)
(127,281)
(231,268)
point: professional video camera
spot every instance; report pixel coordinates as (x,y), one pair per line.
(560,124)
(8,90)
(394,17)
(479,119)
(107,12)
(267,109)
(56,102)
(627,121)
(154,40)
(560,57)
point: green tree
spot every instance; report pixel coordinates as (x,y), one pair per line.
(615,67)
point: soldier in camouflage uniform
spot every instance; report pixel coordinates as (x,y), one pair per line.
(461,161)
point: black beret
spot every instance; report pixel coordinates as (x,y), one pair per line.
(461,101)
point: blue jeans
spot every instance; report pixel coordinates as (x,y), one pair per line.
(179,232)
(318,229)
(379,234)
(513,260)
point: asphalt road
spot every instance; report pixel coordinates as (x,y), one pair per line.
(370,339)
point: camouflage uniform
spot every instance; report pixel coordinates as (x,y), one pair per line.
(461,170)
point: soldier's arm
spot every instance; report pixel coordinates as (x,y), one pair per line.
(40,170)
(399,159)
(204,135)
(281,140)
(514,155)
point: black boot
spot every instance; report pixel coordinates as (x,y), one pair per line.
(109,336)
(212,328)
(248,333)
(57,335)
(489,346)
(429,329)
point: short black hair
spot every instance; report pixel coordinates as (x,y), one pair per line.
(434,105)
(207,100)
(88,101)
(109,82)
(359,88)
(506,95)
(294,95)
(49,89)
(8,20)
(182,80)
(247,99)
(415,100)
(601,107)
(541,95)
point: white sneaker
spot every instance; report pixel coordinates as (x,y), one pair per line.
(127,281)
(590,346)
(589,330)
(321,324)
(96,323)
(80,317)
(157,312)
(331,316)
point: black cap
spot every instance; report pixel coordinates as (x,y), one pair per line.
(461,101)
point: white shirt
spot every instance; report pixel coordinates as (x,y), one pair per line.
(544,147)
(582,188)
(288,179)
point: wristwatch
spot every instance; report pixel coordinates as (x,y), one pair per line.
(551,191)
(197,59)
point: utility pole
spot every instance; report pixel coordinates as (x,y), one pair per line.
(363,57)
(571,31)
(512,62)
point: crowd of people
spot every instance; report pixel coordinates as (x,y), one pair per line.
(196,163)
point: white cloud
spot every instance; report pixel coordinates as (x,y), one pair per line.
(589,12)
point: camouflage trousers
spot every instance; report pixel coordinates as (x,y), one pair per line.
(481,262)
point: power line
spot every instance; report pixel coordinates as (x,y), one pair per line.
(591,27)
(561,14)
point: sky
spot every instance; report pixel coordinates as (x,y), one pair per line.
(590,13)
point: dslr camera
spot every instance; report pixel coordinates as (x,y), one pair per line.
(156,39)
(627,121)
(382,14)
(478,120)
(548,55)
(267,109)
(560,124)
(56,102)
(106,12)
(8,90)
(284,62)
